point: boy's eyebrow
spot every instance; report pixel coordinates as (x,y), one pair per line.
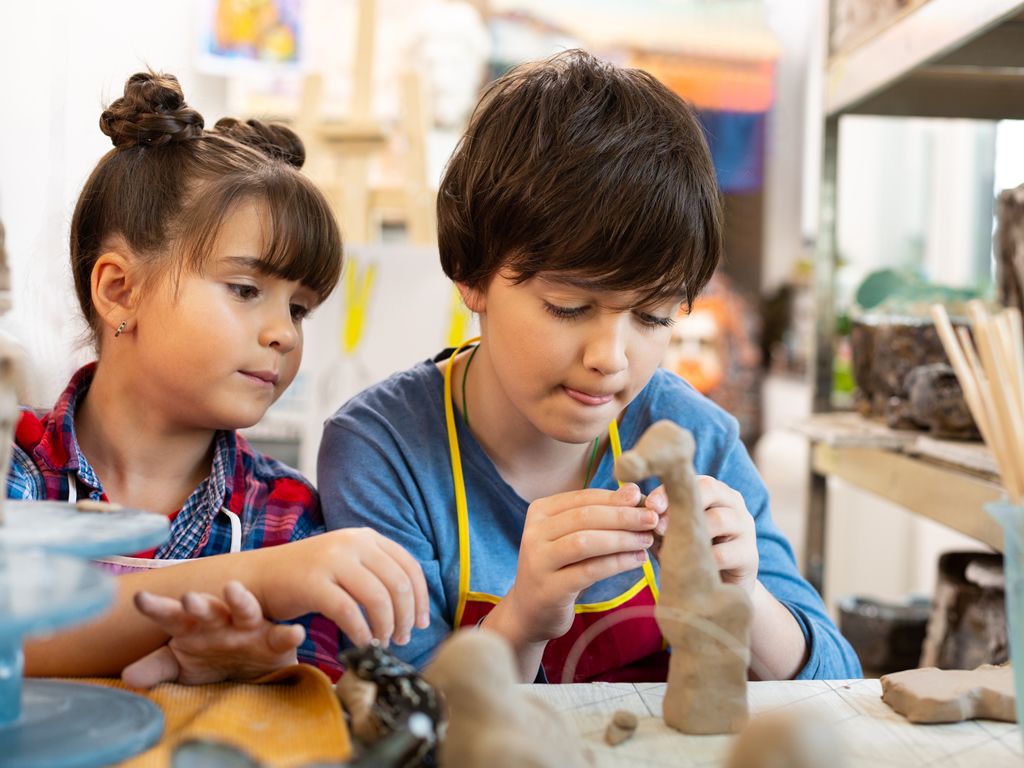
(594,286)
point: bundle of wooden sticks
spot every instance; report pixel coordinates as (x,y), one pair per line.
(990,369)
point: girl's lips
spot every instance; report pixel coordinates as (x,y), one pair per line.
(267,378)
(585,398)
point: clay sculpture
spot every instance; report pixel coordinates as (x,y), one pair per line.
(621,727)
(932,695)
(706,622)
(492,722)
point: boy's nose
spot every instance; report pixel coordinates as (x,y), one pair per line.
(606,349)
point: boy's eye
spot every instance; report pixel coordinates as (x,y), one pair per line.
(244,291)
(299,312)
(654,321)
(564,313)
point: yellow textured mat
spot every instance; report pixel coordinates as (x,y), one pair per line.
(285,719)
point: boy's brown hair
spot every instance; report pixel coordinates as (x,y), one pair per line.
(168,184)
(573,164)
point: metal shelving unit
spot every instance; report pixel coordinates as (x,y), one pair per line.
(945,58)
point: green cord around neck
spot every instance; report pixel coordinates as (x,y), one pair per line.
(465,417)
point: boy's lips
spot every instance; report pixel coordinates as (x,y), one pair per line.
(588,398)
(266,377)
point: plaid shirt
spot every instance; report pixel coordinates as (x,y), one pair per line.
(274,502)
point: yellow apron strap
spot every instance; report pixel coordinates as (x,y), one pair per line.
(461,508)
(613,438)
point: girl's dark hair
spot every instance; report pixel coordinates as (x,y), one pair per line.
(573,164)
(168,184)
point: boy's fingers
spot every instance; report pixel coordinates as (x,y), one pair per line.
(579,576)
(160,666)
(421,596)
(586,545)
(599,517)
(627,495)
(282,638)
(246,611)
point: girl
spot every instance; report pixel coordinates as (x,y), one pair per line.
(196,256)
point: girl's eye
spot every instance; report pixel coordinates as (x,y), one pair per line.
(244,291)
(654,321)
(299,312)
(564,313)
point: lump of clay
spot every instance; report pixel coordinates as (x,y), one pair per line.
(492,721)
(786,740)
(621,727)
(933,695)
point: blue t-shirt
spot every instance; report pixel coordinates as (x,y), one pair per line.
(384,464)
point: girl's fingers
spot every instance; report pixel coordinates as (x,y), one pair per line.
(586,545)
(282,638)
(366,589)
(206,609)
(165,611)
(246,611)
(421,596)
(160,666)
(399,591)
(341,608)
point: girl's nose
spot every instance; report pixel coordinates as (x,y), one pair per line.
(279,331)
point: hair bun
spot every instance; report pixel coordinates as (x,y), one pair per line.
(275,140)
(152,112)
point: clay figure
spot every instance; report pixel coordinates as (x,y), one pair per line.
(493,722)
(706,622)
(932,695)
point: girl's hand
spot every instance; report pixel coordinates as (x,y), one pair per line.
(341,574)
(732,531)
(212,639)
(570,541)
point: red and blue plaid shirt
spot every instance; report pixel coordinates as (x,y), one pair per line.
(274,503)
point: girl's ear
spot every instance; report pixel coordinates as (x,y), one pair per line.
(475,299)
(115,290)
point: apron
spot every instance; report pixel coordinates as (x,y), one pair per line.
(615,640)
(28,439)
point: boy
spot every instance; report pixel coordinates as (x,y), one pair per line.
(576,216)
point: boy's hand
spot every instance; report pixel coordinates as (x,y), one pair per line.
(570,541)
(341,574)
(732,531)
(212,639)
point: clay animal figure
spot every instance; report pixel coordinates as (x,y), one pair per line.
(493,722)
(787,740)
(706,622)
(932,695)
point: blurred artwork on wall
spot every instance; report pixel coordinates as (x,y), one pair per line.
(241,34)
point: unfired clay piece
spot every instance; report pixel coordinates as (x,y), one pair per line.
(621,727)
(932,695)
(786,740)
(706,622)
(357,696)
(492,722)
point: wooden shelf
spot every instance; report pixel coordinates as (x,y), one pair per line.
(946,58)
(944,480)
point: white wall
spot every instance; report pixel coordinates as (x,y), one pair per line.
(60,62)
